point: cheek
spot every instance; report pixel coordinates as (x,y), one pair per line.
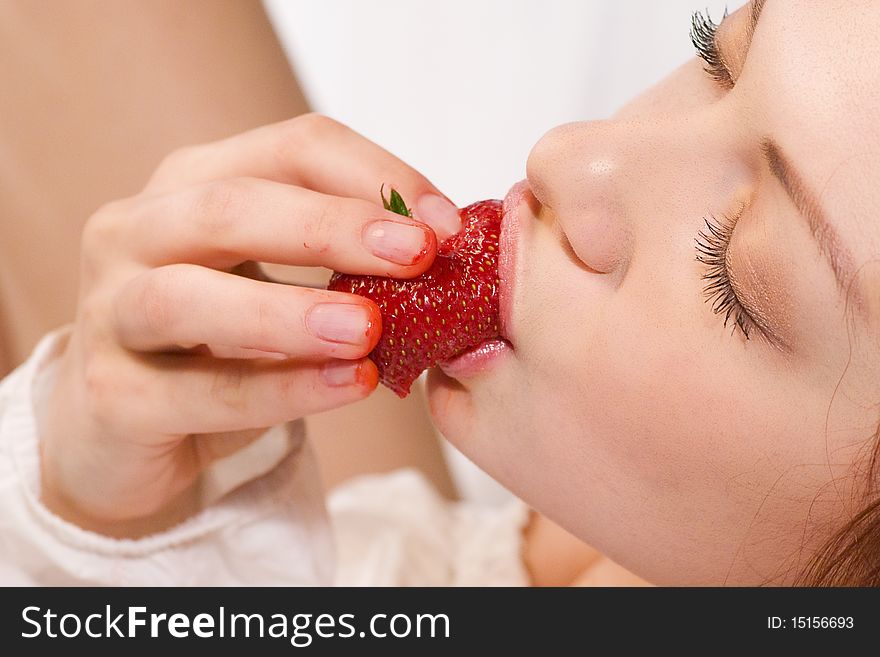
(602,394)
(634,419)
(635,399)
(635,428)
(622,367)
(637,436)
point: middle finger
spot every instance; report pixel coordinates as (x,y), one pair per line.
(187,305)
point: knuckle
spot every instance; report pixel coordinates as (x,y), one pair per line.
(305,133)
(310,128)
(177,160)
(299,137)
(101,228)
(228,386)
(220,205)
(99,387)
(156,301)
(91,314)
(100,239)
(268,321)
(294,388)
(319,227)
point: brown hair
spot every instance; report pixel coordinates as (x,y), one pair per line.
(851,557)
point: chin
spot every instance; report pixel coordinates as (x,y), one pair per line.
(451,406)
(475,415)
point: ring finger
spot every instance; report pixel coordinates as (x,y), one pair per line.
(185,305)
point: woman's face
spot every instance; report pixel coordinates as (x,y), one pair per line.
(695,446)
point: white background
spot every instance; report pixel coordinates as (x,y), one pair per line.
(461,89)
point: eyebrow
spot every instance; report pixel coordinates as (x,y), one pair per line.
(809,207)
(755,8)
(806,202)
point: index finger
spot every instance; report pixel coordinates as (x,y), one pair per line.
(310,151)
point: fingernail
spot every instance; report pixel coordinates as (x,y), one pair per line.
(439,214)
(340,373)
(339,322)
(397,242)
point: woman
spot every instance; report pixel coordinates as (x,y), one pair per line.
(732,438)
(693,442)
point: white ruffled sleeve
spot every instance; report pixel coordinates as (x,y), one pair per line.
(269,530)
(396,530)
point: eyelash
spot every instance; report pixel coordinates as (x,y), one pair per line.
(703,30)
(712,243)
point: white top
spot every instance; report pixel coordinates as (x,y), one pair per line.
(271,530)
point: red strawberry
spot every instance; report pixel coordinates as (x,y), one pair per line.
(447,310)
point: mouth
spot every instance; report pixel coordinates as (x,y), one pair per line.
(480,358)
(476,359)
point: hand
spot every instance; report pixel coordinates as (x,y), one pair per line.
(183,352)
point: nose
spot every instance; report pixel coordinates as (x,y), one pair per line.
(582,173)
(615,186)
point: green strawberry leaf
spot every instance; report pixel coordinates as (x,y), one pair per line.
(395,204)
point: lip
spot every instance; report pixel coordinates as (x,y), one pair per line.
(507,259)
(475,360)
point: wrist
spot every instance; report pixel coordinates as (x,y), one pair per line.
(80,484)
(114,523)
